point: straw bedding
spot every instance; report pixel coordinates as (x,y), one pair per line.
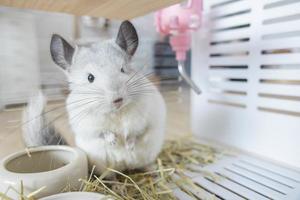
(172,170)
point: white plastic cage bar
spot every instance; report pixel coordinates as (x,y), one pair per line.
(244,177)
(246,59)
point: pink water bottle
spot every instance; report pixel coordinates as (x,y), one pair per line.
(179,21)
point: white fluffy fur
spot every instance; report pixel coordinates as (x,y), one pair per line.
(37,130)
(33,120)
(125,138)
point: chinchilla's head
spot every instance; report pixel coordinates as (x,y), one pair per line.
(100,76)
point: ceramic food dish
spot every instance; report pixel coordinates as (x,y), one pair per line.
(75,196)
(52,167)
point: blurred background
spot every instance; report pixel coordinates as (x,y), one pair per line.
(26,66)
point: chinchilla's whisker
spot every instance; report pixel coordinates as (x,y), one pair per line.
(165,79)
(57,118)
(52,121)
(146,85)
(58,107)
(139,95)
(100,95)
(138,76)
(133,82)
(141,90)
(63,114)
(99,105)
(59,135)
(142,77)
(137,87)
(77,115)
(142,86)
(134,74)
(148,74)
(46,112)
(80,116)
(47,126)
(142,93)
(139,84)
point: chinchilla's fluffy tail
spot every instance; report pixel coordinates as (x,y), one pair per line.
(36,130)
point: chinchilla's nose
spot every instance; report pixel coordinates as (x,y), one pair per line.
(118,102)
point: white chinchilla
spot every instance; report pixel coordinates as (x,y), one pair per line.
(117,115)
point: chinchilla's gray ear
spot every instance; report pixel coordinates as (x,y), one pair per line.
(127,38)
(61,51)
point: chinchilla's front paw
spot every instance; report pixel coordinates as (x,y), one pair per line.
(109,137)
(130,143)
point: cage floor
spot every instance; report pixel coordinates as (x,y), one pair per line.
(245,177)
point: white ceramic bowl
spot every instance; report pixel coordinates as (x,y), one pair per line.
(76,196)
(54,167)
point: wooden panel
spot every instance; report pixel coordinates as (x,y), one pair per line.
(112,9)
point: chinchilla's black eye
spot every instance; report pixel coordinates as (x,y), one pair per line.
(91,78)
(122,70)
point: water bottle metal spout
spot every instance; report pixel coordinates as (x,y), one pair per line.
(185,76)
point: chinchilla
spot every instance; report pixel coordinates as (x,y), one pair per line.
(116,114)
